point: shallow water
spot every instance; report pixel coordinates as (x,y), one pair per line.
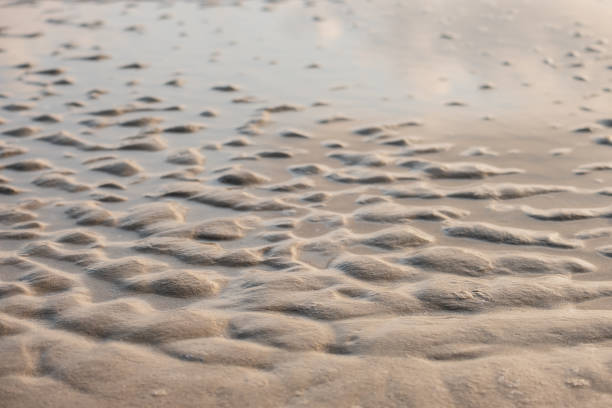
(300,203)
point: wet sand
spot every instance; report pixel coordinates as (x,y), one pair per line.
(300,203)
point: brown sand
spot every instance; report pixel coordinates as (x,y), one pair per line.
(300,203)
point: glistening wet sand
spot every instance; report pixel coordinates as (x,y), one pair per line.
(300,203)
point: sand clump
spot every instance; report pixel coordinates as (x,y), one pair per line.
(121,168)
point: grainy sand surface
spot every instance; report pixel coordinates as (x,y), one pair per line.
(306,204)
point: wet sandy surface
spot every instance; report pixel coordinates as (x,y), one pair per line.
(300,203)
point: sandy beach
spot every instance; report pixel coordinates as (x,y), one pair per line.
(306,203)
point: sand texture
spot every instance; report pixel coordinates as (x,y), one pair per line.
(306,203)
